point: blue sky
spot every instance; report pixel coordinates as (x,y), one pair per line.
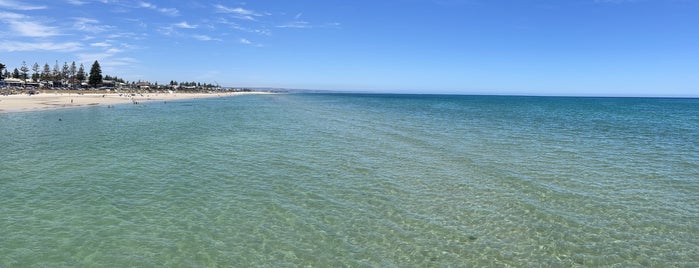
(538,47)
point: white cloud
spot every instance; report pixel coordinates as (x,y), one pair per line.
(12,46)
(167,11)
(114,51)
(296,24)
(306,25)
(185,25)
(99,56)
(25,26)
(166,30)
(32,29)
(100,44)
(146,5)
(8,16)
(90,25)
(244,41)
(110,64)
(76,2)
(18,5)
(261,31)
(128,35)
(125,61)
(205,38)
(129,46)
(107,53)
(239,12)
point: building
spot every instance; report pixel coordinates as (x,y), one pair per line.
(143,85)
(14,82)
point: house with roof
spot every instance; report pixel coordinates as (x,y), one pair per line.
(14,82)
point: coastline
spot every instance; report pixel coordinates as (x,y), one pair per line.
(51,101)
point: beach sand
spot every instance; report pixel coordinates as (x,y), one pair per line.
(44,101)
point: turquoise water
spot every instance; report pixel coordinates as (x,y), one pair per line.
(328,180)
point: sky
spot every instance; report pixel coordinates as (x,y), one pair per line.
(518,47)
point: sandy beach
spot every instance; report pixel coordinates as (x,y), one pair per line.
(44,101)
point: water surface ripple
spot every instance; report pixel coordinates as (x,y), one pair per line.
(330,180)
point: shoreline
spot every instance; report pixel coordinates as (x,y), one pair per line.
(52,101)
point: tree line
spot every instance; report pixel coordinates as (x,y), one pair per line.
(73,75)
(70,73)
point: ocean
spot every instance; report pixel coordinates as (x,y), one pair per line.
(353,180)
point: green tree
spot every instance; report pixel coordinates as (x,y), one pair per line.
(46,73)
(56,73)
(24,69)
(35,75)
(2,67)
(95,75)
(80,75)
(15,73)
(65,71)
(73,70)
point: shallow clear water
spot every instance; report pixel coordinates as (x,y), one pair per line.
(330,180)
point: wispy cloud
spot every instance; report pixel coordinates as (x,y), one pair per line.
(238,12)
(167,30)
(76,2)
(26,26)
(233,25)
(127,35)
(122,61)
(12,46)
(172,29)
(90,25)
(100,44)
(146,5)
(185,25)
(19,5)
(205,38)
(247,42)
(167,11)
(109,61)
(99,56)
(33,29)
(298,24)
(9,16)
(114,51)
